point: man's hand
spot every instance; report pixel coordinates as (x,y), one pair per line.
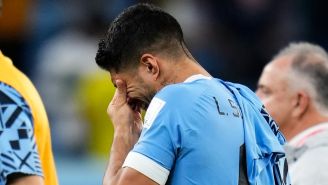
(127,124)
(125,119)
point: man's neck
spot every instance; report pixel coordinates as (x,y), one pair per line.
(184,69)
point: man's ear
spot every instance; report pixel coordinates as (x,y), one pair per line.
(150,64)
(301,103)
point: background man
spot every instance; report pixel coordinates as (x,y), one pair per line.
(294,89)
(25,143)
(193,131)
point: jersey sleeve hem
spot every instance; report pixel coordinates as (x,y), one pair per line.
(147,166)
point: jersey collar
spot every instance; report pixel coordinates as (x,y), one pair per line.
(300,138)
(197,77)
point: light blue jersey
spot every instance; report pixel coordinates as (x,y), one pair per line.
(193,134)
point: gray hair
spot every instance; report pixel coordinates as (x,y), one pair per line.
(310,62)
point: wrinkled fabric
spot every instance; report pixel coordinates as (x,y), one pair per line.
(266,160)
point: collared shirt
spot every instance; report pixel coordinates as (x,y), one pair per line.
(300,139)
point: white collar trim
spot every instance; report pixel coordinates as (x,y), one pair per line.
(300,138)
(197,77)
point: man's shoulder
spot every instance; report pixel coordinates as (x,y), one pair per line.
(314,150)
(181,93)
(184,87)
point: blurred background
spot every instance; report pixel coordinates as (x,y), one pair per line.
(55,42)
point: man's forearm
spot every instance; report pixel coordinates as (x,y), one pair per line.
(127,125)
(123,142)
(23,179)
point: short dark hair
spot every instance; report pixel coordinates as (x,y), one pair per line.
(138,29)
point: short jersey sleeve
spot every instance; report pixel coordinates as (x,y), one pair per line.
(18,150)
(154,154)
